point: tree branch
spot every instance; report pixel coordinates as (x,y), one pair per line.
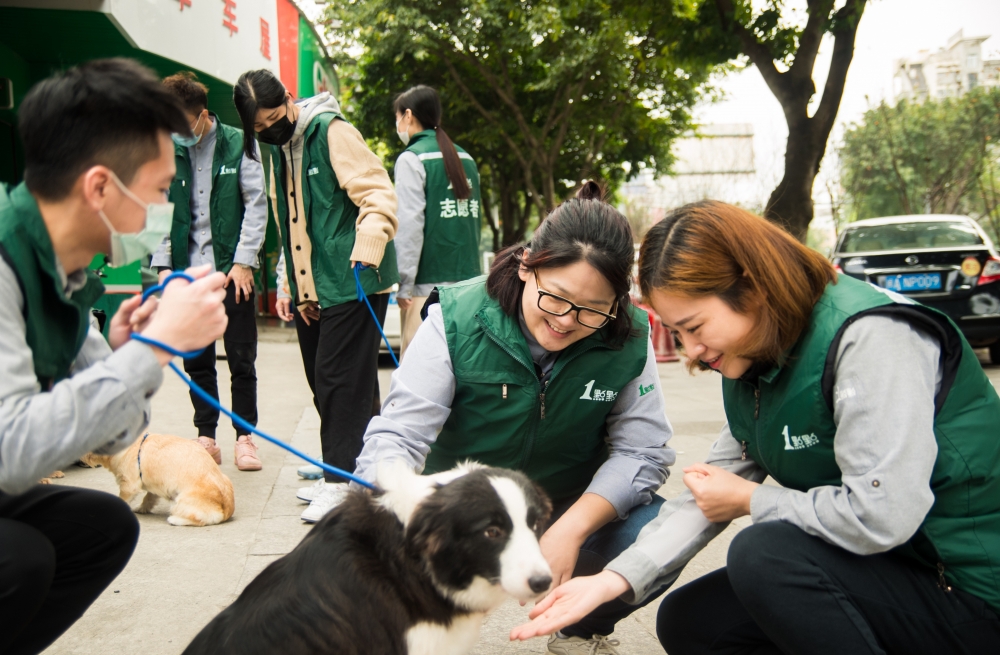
(843,53)
(759,55)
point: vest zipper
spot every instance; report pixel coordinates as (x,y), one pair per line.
(744,455)
(541,398)
(505,392)
(942,582)
(756,404)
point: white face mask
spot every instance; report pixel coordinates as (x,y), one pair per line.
(130,247)
(403,136)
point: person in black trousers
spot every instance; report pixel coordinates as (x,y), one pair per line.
(59,548)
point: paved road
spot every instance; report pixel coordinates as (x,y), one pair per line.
(179,578)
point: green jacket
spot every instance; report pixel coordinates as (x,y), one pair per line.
(451,227)
(502,415)
(330,223)
(56,325)
(226,203)
(785,422)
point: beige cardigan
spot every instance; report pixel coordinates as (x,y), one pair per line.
(361,174)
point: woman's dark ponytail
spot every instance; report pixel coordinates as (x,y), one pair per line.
(425,105)
(255,90)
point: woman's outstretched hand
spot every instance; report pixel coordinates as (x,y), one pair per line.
(570,602)
(721,495)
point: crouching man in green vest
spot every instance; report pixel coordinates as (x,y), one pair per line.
(439,207)
(220,213)
(873,414)
(544,366)
(98,165)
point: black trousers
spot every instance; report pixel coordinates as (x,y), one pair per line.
(784,591)
(343,351)
(240,341)
(59,548)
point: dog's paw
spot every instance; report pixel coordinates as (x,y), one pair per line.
(57,474)
(45,481)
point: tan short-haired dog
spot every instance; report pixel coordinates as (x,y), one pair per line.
(180,470)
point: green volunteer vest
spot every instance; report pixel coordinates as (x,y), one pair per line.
(330,224)
(56,326)
(786,426)
(502,415)
(225,205)
(451,227)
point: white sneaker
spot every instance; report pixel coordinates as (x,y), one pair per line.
(331,495)
(310,472)
(308,493)
(596,645)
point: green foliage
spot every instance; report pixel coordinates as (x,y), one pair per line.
(542,94)
(937,157)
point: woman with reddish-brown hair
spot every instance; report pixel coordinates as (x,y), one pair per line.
(873,414)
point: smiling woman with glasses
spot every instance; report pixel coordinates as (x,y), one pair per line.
(589,317)
(544,366)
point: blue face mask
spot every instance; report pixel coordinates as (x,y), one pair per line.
(188,141)
(127,248)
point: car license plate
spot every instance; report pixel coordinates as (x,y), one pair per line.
(910,282)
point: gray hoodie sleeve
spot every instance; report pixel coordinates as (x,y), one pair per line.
(162,256)
(886,452)
(680,530)
(102,407)
(419,403)
(255,216)
(886,378)
(638,431)
(410,180)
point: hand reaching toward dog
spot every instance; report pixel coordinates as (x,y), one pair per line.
(721,496)
(570,602)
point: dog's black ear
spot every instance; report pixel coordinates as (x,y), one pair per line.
(426,528)
(544,505)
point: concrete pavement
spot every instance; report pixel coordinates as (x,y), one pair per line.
(179,578)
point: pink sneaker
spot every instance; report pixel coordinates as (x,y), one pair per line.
(246,454)
(212,449)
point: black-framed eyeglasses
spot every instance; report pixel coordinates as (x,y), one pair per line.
(550,303)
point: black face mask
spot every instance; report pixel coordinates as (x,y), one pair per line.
(278,133)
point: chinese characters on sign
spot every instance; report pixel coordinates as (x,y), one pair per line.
(229,17)
(451,208)
(265,39)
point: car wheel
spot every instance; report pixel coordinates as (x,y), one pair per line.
(995,353)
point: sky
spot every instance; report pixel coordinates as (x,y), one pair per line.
(889,30)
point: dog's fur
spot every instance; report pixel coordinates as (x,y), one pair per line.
(411,571)
(179,470)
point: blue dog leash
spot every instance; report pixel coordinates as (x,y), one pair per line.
(238,420)
(364,298)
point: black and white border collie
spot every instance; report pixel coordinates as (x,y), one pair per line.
(411,571)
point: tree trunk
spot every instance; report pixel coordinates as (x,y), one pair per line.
(791,204)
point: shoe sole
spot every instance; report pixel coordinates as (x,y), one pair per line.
(249,467)
(304,500)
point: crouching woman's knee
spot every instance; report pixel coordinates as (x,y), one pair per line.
(760,553)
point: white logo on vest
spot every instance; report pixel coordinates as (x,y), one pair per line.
(798,443)
(590,393)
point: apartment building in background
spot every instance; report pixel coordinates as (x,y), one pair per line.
(948,72)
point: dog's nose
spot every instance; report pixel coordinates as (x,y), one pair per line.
(539,583)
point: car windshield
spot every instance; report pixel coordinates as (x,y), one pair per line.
(910,236)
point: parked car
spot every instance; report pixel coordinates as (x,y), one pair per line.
(943,261)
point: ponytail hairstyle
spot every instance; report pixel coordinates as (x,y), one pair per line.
(425,105)
(584,228)
(256,90)
(710,248)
